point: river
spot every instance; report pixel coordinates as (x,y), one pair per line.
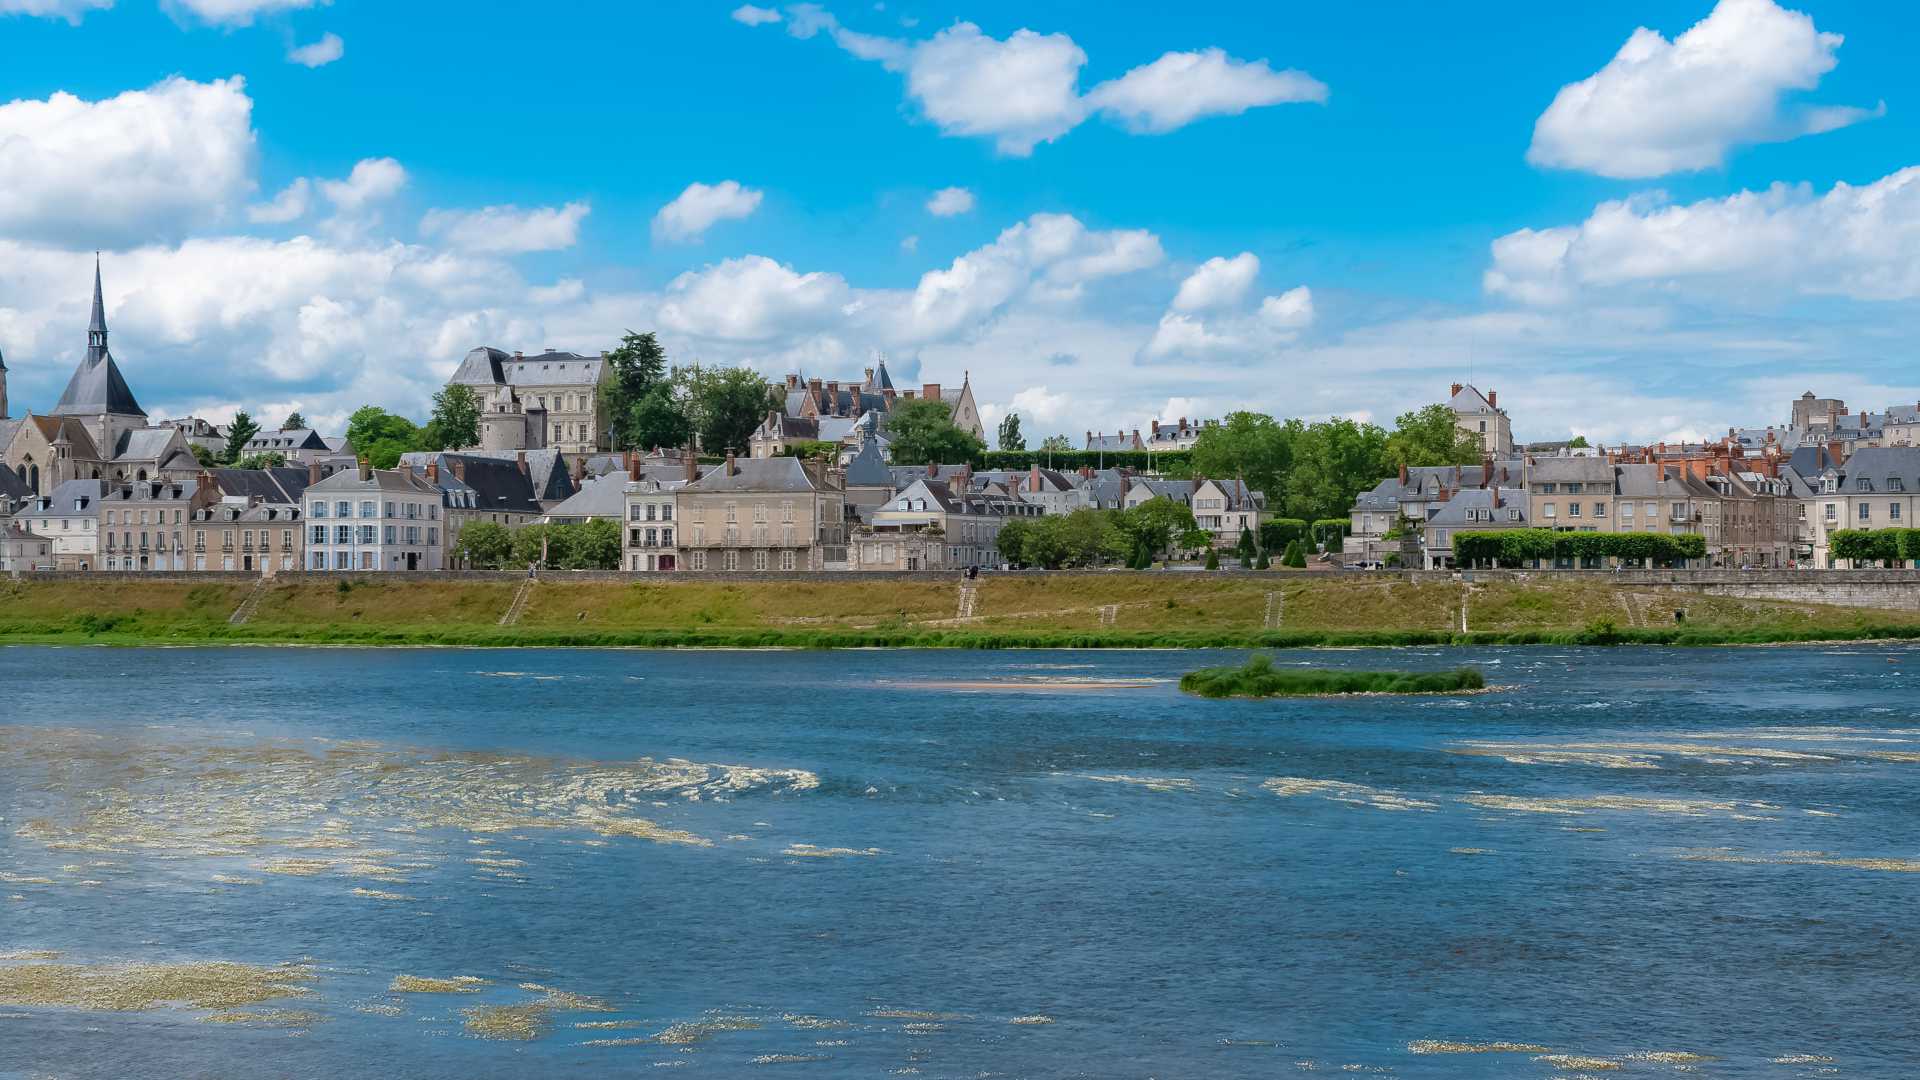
(450,863)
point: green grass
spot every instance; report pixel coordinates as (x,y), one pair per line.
(1258,678)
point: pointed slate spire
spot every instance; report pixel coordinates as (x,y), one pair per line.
(97,327)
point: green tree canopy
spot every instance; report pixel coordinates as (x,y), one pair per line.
(922,432)
(1578,442)
(239,433)
(1010,437)
(1430,436)
(485,545)
(1252,447)
(455,424)
(271,459)
(380,436)
(293,422)
(810,448)
(1334,461)
(1058,444)
(658,420)
(1155,525)
(725,405)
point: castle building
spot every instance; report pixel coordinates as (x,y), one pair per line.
(552,401)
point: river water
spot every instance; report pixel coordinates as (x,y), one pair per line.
(508,863)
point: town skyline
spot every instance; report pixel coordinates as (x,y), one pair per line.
(1164,239)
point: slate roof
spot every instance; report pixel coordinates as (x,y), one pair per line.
(1470,400)
(600,497)
(294,439)
(9,428)
(281,485)
(487,366)
(1883,469)
(551,482)
(1455,513)
(11,486)
(76,497)
(144,444)
(490,483)
(868,469)
(97,386)
(755,474)
(1121,441)
(400,480)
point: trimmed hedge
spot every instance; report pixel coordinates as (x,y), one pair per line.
(1277,533)
(1874,545)
(1513,547)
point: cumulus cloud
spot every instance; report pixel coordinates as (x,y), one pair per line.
(697,209)
(70,10)
(507,229)
(950,202)
(235,12)
(755,16)
(750,299)
(1857,242)
(1219,282)
(320,53)
(1182,87)
(290,205)
(1664,106)
(372,180)
(1024,90)
(146,163)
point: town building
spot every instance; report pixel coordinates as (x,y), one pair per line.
(1181,435)
(69,517)
(250,519)
(1466,510)
(1874,488)
(551,401)
(768,514)
(934,525)
(374,519)
(1226,507)
(143,524)
(1481,416)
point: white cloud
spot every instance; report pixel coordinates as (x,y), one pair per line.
(290,205)
(71,10)
(235,12)
(1025,90)
(1856,242)
(1039,405)
(1660,107)
(700,207)
(1182,87)
(372,180)
(320,53)
(1219,282)
(505,229)
(750,299)
(1291,310)
(949,202)
(145,163)
(755,16)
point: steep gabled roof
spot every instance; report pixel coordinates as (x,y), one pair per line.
(97,386)
(755,474)
(868,469)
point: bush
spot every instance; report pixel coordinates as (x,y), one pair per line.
(1277,533)
(1259,678)
(1874,545)
(1213,559)
(1513,547)
(1296,556)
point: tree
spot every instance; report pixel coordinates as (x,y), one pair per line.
(1154,525)
(658,419)
(639,365)
(271,459)
(456,419)
(592,545)
(1578,442)
(1252,447)
(484,545)
(1056,444)
(293,422)
(207,458)
(239,433)
(1213,559)
(1090,536)
(1010,437)
(922,432)
(1245,548)
(725,405)
(1430,436)
(1333,462)
(380,436)
(1296,556)
(810,448)
(1261,561)
(1013,539)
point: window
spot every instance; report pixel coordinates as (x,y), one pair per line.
(1573,489)
(390,534)
(759,559)
(318,510)
(1626,511)
(369,534)
(732,560)
(1866,512)
(1599,509)
(1833,514)
(666,511)
(318,560)
(786,560)
(343,560)
(1546,511)
(1893,511)
(433,536)
(1573,509)
(369,509)
(343,508)
(413,535)
(1545,489)
(786,510)
(343,534)
(733,512)
(666,537)
(699,560)
(633,512)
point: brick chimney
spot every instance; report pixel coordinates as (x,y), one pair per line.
(692,461)
(1486,470)
(933,471)
(366,469)
(1156,429)
(313,472)
(1403,474)
(733,467)
(1033,477)
(930,391)
(1455,391)
(433,473)
(1493,398)
(633,465)
(793,380)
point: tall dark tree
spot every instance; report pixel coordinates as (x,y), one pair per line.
(380,436)
(239,433)
(1010,437)
(639,365)
(455,424)
(1057,444)
(725,405)
(1430,436)
(293,422)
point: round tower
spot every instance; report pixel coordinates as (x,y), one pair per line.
(503,428)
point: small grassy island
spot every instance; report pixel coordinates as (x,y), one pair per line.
(1259,678)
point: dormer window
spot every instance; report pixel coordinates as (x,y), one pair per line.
(1894,483)
(1863,484)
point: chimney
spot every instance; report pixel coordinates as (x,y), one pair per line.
(1455,391)
(1089,441)
(459,467)
(733,469)
(813,385)
(930,391)
(433,473)
(1156,429)
(579,469)
(520,459)
(933,471)
(1403,474)
(1486,470)
(693,463)
(869,381)
(793,380)
(1136,436)
(313,472)
(1033,477)
(633,465)
(1493,399)
(366,469)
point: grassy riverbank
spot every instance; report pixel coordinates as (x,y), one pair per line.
(1116,610)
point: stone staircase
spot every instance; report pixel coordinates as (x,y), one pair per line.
(519,605)
(1109,613)
(969,600)
(250,604)
(1275,605)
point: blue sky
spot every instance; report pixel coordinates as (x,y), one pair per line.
(1384,212)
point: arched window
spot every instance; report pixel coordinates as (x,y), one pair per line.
(33,477)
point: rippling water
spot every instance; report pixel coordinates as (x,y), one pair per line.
(448,863)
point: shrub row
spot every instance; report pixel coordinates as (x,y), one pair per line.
(1874,545)
(1514,547)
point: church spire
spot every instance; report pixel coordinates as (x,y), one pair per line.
(97,328)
